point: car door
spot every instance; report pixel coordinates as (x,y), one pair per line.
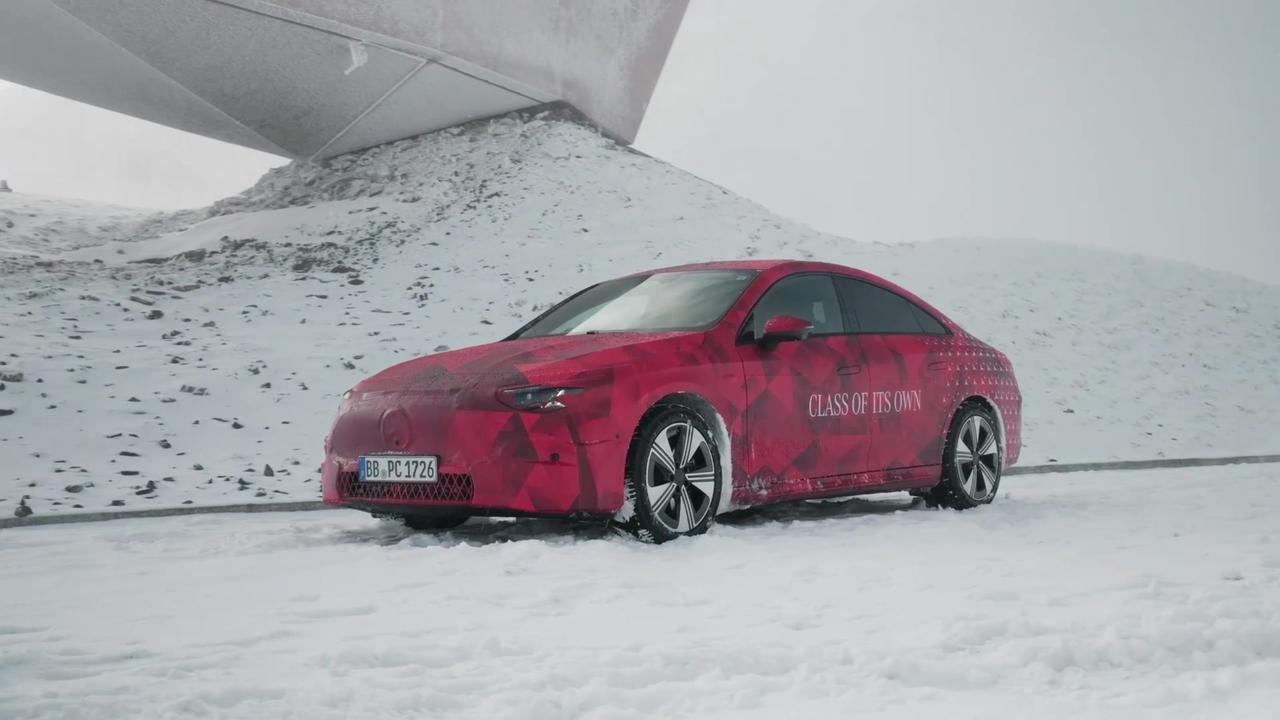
(908,374)
(805,424)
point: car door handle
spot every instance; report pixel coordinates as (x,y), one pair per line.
(940,365)
(849,370)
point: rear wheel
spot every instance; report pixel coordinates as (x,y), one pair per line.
(673,475)
(971,461)
(435,521)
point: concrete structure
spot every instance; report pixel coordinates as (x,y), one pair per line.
(316,78)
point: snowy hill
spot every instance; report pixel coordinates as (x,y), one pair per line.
(161,360)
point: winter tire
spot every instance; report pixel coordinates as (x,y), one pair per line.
(673,475)
(971,460)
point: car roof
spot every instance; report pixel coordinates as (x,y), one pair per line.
(760,266)
(780,267)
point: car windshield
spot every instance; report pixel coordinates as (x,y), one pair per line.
(680,300)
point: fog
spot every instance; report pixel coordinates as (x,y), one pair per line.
(53,146)
(1142,126)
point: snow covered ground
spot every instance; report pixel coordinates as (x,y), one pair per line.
(1150,594)
(159,360)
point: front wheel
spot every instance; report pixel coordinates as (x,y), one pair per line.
(673,476)
(971,461)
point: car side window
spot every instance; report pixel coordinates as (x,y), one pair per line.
(811,297)
(873,309)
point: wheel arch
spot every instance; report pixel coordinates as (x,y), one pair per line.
(987,404)
(719,427)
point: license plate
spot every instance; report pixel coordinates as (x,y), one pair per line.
(399,468)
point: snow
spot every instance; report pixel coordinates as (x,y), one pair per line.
(1109,595)
(29,224)
(270,304)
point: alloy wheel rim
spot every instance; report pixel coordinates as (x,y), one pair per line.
(977,460)
(680,477)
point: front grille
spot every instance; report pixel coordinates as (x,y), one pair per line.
(451,488)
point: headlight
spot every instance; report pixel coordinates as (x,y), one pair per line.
(537,398)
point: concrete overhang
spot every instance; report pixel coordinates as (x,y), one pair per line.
(317,78)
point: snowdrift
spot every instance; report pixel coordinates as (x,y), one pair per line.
(197,357)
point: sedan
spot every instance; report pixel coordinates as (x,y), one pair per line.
(662,399)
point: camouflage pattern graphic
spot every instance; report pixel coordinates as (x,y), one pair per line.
(829,415)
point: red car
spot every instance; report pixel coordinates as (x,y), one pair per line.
(663,398)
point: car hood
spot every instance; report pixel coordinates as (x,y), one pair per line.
(513,362)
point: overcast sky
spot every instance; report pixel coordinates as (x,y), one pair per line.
(1140,125)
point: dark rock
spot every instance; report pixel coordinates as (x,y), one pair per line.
(12,377)
(129,453)
(155,315)
(6,413)
(150,488)
(117,503)
(197,466)
(142,301)
(165,444)
(74,488)
(236,425)
(355,281)
(261,493)
(134,399)
(268,472)
(129,473)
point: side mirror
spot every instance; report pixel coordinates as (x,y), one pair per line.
(784,328)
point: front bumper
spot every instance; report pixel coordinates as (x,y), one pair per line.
(493,461)
(587,480)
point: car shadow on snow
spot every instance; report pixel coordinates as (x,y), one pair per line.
(828,509)
(481,531)
(487,531)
